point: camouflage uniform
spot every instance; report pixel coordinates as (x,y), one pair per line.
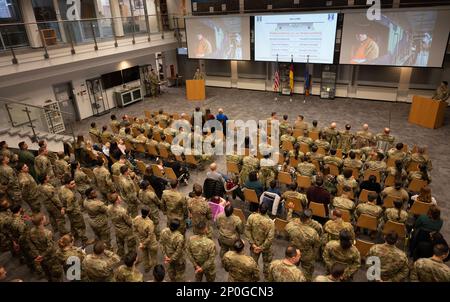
(61,167)
(284,125)
(98,219)
(363,139)
(350,182)
(315,156)
(73,211)
(305,140)
(127,191)
(53,205)
(368,209)
(266,174)
(345,141)
(123,226)
(280,271)
(230,229)
(100,268)
(373,165)
(296,195)
(394,263)
(321,143)
(5,232)
(384,142)
(353,163)
(421,159)
(306,169)
(30,191)
(19,232)
(332,228)
(306,239)
(240,267)
(249,164)
(333,253)
(287,137)
(199,211)
(202,252)
(322,278)
(9,183)
(260,230)
(342,202)
(175,207)
(103,180)
(42,244)
(42,165)
(145,231)
(392,214)
(128,274)
(115,168)
(173,244)
(430,270)
(151,200)
(398,155)
(64,254)
(333,160)
(401,194)
(83,182)
(332,136)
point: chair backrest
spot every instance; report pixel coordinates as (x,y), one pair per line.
(168,172)
(389,181)
(179,158)
(297,132)
(151,149)
(304,148)
(390,162)
(334,170)
(169,138)
(355,173)
(280,224)
(239,213)
(318,209)
(368,173)
(416,184)
(405,148)
(315,162)
(413,166)
(157,136)
(339,153)
(287,146)
(135,132)
(322,151)
(280,158)
(293,162)
(364,196)
(232,167)
(363,247)
(367,222)
(157,171)
(141,166)
(140,147)
(346,216)
(397,227)
(303,182)
(163,152)
(340,190)
(250,196)
(88,172)
(419,207)
(148,114)
(129,145)
(297,204)
(284,178)
(190,159)
(314,135)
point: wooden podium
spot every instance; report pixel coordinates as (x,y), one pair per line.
(195,90)
(427,113)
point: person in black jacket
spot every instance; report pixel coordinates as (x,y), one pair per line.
(371,185)
(157,183)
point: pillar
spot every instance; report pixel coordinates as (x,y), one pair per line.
(60,20)
(116,15)
(32,29)
(234,74)
(151,13)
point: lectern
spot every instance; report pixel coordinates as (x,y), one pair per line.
(195,90)
(427,113)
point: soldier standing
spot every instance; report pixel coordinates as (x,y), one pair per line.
(240,267)
(149,199)
(26,157)
(331,134)
(61,166)
(103,178)
(199,211)
(432,269)
(54,207)
(100,266)
(364,137)
(82,181)
(175,205)
(29,188)
(127,191)
(260,230)
(123,226)
(230,229)
(172,244)
(98,216)
(8,180)
(385,140)
(346,139)
(145,230)
(67,250)
(202,252)
(42,164)
(128,272)
(286,270)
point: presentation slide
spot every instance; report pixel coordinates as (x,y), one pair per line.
(299,36)
(401,38)
(226,38)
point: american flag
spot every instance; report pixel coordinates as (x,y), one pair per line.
(276,80)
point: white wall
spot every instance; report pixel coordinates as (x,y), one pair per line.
(170,58)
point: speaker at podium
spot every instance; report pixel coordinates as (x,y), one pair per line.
(427,112)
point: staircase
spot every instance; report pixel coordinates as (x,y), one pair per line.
(13,136)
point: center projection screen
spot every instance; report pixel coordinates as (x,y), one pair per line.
(221,38)
(416,38)
(299,36)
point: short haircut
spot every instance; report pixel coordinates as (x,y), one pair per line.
(113,117)
(372,196)
(67,179)
(144,184)
(130,258)
(201,225)
(198,190)
(159,272)
(99,247)
(263,208)
(37,219)
(174,183)
(238,245)
(145,211)
(93,125)
(352,155)
(337,270)
(347,173)
(174,224)
(445,82)
(253,176)
(333,151)
(293,186)
(391,238)
(290,252)
(123,169)
(21,145)
(285,117)
(100,161)
(314,148)
(15,208)
(229,210)
(372,178)
(345,239)
(440,250)
(89,191)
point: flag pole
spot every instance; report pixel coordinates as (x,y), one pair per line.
(306,72)
(292,89)
(276,93)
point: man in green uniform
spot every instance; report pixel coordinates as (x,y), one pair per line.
(173,244)
(145,230)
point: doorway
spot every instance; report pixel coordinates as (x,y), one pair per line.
(66,100)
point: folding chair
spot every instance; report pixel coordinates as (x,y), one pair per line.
(280,225)
(304,148)
(346,216)
(317,164)
(148,114)
(339,153)
(396,227)
(169,173)
(314,135)
(355,173)
(368,173)
(293,162)
(389,181)
(239,213)
(318,209)
(179,158)
(388,202)
(141,166)
(157,171)
(322,151)
(287,146)
(390,162)
(250,196)
(297,133)
(334,170)
(135,132)
(129,146)
(363,247)
(416,184)
(367,222)
(232,167)
(151,149)
(303,182)
(140,147)
(413,166)
(340,190)
(419,208)
(364,195)
(163,153)
(190,159)
(284,178)
(297,204)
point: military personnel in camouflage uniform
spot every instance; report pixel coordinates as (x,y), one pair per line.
(336,274)
(351,162)
(174,205)
(385,140)
(376,165)
(43,249)
(81,179)
(100,266)
(128,272)
(202,252)
(230,229)
(173,244)
(115,168)
(397,192)
(5,223)
(286,270)
(267,171)
(98,216)
(343,251)
(29,188)
(249,163)
(420,157)
(332,159)
(67,250)
(322,142)
(260,230)
(306,239)
(145,231)
(369,208)
(288,137)
(199,211)
(396,213)
(284,125)
(343,202)
(8,180)
(331,135)
(149,199)
(50,199)
(432,269)
(106,135)
(346,139)
(334,226)
(19,231)
(114,124)
(43,165)
(364,137)
(103,179)
(240,267)
(393,261)
(61,166)
(397,153)
(305,139)
(292,193)
(127,191)
(346,179)
(306,168)
(123,226)
(72,208)
(314,155)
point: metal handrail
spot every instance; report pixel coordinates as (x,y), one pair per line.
(8,100)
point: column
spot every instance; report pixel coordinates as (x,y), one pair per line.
(151,13)
(99,14)
(234,74)
(116,15)
(32,29)
(60,21)
(403,84)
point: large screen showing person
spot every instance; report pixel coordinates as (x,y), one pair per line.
(299,36)
(401,38)
(226,38)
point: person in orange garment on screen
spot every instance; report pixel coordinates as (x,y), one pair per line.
(366,51)
(204,47)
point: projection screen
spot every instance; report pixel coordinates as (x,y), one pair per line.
(415,38)
(226,38)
